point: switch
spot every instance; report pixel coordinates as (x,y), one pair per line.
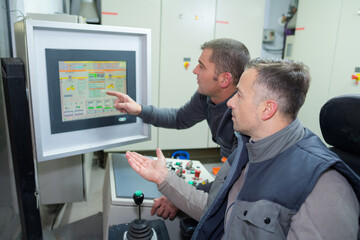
(179,172)
(189,165)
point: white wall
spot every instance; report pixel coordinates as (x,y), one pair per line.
(330,50)
(43,6)
(19,9)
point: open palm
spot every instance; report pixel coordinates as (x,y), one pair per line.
(152,170)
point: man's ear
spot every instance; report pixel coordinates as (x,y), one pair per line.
(225,79)
(268,110)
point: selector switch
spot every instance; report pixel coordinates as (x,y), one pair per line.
(179,172)
(189,165)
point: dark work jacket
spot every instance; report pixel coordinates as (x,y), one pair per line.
(274,190)
(199,108)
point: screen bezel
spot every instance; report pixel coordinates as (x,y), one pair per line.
(54,56)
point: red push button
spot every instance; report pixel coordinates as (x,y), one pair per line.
(197,173)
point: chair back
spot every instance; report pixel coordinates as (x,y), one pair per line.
(340,127)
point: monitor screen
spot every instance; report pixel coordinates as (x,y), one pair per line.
(83,85)
(77,85)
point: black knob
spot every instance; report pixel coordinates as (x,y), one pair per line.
(138,197)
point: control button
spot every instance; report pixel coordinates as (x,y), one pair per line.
(191,182)
(186,65)
(245,213)
(205,181)
(267,220)
(192,172)
(197,173)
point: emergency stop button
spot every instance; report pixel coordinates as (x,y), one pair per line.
(186,65)
(356,77)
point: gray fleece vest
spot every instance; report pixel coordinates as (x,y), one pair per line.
(272,193)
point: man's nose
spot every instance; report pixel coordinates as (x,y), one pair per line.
(228,103)
(195,69)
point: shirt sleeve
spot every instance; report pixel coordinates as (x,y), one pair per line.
(180,118)
(184,196)
(331,211)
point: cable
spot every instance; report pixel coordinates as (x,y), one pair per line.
(8,10)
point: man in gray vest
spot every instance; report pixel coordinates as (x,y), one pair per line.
(220,66)
(281,182)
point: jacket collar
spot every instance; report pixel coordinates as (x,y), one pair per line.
(275,144)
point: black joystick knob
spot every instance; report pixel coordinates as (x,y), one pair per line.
(138,197)
(139,229)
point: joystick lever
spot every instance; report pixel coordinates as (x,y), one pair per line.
(140,229)
(138,199)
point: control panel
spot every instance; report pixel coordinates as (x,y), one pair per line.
(192,171)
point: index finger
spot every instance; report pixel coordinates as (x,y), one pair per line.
(116,94)
(155,206)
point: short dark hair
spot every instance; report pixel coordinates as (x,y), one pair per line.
(285,81)
(228,55)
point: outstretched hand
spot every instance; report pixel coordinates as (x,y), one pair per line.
(125,104)
(164,208)
(152,170)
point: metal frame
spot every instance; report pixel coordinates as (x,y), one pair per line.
(33,37)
